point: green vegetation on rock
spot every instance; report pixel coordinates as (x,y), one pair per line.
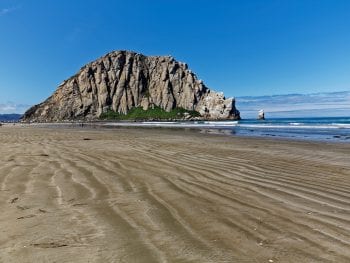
(156,113)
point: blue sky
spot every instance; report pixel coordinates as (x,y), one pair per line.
(330,104)
(243,48)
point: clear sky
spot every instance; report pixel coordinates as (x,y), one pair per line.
(243,48)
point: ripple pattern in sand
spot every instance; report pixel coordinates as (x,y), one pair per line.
(156,196)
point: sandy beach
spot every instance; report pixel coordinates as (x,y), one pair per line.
(158,195)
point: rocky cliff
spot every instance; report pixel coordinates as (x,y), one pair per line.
(122,80)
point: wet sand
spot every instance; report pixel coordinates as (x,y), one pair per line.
(155,195)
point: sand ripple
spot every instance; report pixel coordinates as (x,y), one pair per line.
(149,195)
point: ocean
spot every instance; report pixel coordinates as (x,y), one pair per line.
(318,129)
(332,129)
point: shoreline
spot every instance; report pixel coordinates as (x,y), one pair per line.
(225,128)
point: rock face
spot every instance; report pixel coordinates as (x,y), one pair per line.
(122,80)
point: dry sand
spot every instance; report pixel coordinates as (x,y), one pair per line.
(153,195)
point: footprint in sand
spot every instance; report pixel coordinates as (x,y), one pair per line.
(27,216)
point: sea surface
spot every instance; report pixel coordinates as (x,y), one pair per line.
(319,129)
(333,129)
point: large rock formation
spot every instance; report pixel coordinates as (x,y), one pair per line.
(122,80)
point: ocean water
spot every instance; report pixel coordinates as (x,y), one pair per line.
(319,129)
(333,129)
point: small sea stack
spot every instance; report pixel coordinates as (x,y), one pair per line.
(261,115)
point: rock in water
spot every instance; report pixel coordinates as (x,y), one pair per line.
(122,80)
(261,115)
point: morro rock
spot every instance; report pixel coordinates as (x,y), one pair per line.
(122,80)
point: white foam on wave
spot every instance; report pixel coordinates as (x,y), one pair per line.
(228,123)
(159,122)
(301,126)
(296,123)
(342,125)
(206,124)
